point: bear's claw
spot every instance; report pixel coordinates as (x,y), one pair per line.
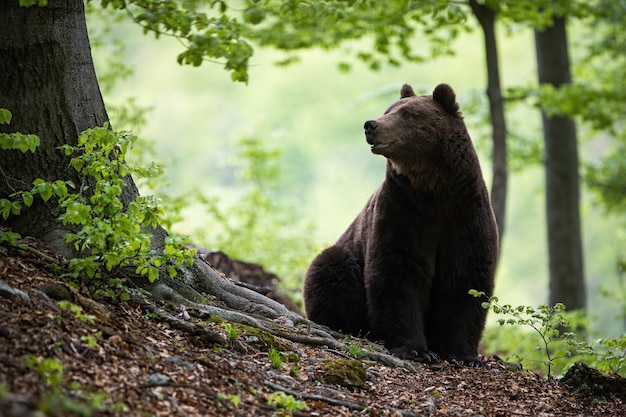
(470,362)
(424,356)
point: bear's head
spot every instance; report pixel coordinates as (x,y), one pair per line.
(415,131)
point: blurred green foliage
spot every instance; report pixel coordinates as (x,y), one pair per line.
(253,222)
(258,224)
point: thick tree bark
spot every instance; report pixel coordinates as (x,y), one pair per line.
(49,84)
(487,19)
(567,283)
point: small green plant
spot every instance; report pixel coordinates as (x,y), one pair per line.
(55,401)
(114,235)
(612,355)
(78,311)
(276,359)
(234,399)
(355,351)
(11,238)
(23,143)
(50,371)
(114,290)
(153,316)
(294,371)
(286,403)
(92,339)
(231,331)
(551,324)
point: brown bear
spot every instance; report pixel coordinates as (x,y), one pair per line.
(402,271)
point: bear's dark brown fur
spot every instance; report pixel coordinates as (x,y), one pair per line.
(402,270)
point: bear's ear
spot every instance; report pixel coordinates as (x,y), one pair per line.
(406,91)
(444,95)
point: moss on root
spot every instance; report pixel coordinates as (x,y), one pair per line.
(345,372)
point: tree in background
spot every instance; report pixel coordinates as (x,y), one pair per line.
(567,281)
(486,17)
(604,96)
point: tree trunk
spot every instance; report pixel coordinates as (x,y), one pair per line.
(487,19)
(50,86)
(567,284)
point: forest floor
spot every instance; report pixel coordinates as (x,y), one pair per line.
(111,359)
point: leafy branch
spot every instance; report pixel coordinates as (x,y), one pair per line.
(18,141)
(203,36)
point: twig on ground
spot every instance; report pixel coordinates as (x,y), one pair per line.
(40,254)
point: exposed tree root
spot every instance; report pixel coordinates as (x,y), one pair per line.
(204,293)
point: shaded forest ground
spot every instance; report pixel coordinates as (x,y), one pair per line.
(128,362)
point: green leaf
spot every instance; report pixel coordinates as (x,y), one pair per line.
(254,15)
(60,188)
(7,208)
(111,260)
(153,274)
(29,143)
(28,199)
(5,117)
(76,213)
(46,193)
(171,271)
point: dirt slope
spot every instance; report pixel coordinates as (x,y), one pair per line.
(127,363)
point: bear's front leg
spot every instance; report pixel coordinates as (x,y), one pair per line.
(397,291)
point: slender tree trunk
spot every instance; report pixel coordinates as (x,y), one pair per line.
(487,19)
(567,283)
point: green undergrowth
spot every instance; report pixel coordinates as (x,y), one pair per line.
(549,339)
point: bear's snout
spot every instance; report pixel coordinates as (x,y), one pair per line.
(370,126)
(373,137)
